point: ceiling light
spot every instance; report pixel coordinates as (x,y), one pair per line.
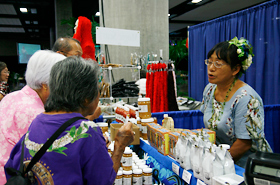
(36,30)
(23,10)
(33,10)
(27,22)
(169,15)
(30,30)
(35,22)
(196,1)
(97,14)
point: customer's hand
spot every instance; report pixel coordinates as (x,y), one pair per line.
(125,135)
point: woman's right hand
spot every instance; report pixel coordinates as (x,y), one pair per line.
(125,135)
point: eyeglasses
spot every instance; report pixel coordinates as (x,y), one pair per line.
(6,72)
(217,64)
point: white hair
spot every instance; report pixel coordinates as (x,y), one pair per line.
(39,67)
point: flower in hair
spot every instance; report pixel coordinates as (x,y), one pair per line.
(244,51)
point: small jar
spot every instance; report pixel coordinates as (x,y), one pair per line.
(144,108)
(144,123)
(127,159)
(119,178)
(103,126)
(127,177)
(139,125)
(137,177)
(147,176)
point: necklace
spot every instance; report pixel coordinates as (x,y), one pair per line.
(218,109)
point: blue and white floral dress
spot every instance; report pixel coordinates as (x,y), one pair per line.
(242,117)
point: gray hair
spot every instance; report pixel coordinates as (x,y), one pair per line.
(62,44)
(72,81)
(39,67)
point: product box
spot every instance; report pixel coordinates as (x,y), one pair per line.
(211,133)
(184,132)
(162,140)
(115,127)
(173,138)
(151,133)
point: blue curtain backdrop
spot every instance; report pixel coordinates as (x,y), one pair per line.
(261,26)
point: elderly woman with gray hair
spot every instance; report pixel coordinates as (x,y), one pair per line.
(79,155)
(19,108)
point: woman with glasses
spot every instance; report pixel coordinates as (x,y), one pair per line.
(232,108)
(4,87)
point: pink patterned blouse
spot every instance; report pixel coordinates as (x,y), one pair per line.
(17,111)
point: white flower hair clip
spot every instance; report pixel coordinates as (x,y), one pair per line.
(244,51)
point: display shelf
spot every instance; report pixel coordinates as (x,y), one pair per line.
(169,170)
(110,74)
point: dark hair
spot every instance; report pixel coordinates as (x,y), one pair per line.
(228,54)
(72,81)
(62,44)
(3,65)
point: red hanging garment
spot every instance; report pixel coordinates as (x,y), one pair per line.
(148,81)
(155,91)
(151,88)
(163,82)
(165,88)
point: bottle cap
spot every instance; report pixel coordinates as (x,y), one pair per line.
(129,172)
(149,120)
(120,172)
(147,170)
(144,99)
(137,171)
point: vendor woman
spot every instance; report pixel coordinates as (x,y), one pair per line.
(232,108)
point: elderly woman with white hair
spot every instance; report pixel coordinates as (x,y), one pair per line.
(19,108)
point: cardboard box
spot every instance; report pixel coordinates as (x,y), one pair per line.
(115,127)
(211,133)
(151,133)
(162,139)
(173,138)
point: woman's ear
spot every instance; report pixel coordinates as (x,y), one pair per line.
(236,70)
(45,86)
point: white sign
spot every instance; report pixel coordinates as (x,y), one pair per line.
(199,182)
(175,168)
(120,37)
(187,176)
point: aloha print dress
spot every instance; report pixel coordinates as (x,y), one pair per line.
(242,117)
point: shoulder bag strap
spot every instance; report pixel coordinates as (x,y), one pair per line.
(22,155)
(44,148)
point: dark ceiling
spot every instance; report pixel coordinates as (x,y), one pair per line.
(36,23)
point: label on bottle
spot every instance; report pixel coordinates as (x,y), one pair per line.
(126,181)
(140,127)
(143,108)
(127,161)
(118,181)
(144,129)
(147,179)
(137,181)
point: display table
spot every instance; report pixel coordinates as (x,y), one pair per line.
(164,167)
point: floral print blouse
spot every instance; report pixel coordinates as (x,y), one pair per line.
(242,117)
(17,111)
